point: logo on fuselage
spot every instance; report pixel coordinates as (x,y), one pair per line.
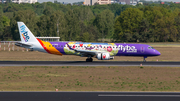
(142,49)
(128,49)
(25,33)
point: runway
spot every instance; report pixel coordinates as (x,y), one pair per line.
(94,63)
(90,96)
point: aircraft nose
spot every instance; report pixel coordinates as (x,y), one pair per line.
(157,53)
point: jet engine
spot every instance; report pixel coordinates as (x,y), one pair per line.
(104,56)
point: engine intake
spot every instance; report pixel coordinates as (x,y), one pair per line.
(104,56)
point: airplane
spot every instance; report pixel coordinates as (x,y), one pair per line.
(101,51)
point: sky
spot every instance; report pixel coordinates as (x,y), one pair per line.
(72,1)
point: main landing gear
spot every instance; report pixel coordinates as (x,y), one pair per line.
(144,58)
(89,59)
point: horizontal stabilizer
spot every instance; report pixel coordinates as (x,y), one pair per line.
(23,44)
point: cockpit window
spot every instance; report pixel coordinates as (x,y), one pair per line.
(150,47)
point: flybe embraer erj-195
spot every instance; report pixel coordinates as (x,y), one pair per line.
(101,51)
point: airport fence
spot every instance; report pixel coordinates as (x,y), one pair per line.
(10,46)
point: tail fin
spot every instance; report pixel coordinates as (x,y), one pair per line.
(25,34)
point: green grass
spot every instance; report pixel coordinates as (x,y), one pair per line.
(101,78)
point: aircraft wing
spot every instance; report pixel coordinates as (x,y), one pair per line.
(85,52)
(23,44)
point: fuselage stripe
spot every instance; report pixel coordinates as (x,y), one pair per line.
(43,46)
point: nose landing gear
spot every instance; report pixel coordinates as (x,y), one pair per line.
(144,58)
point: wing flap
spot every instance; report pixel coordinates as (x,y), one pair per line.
(87,52)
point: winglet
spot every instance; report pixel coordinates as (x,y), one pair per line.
(69,47)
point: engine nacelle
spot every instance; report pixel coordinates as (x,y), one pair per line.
(104,56)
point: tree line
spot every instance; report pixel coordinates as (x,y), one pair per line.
(119,23)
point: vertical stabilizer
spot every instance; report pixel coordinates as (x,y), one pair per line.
(25,34)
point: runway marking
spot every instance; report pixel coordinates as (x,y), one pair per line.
(105,95)
(82,63)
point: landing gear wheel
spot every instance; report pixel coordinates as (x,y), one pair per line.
(89,60)
(144,58)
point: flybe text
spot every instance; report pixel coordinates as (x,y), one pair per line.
(129,49)
(25,33)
